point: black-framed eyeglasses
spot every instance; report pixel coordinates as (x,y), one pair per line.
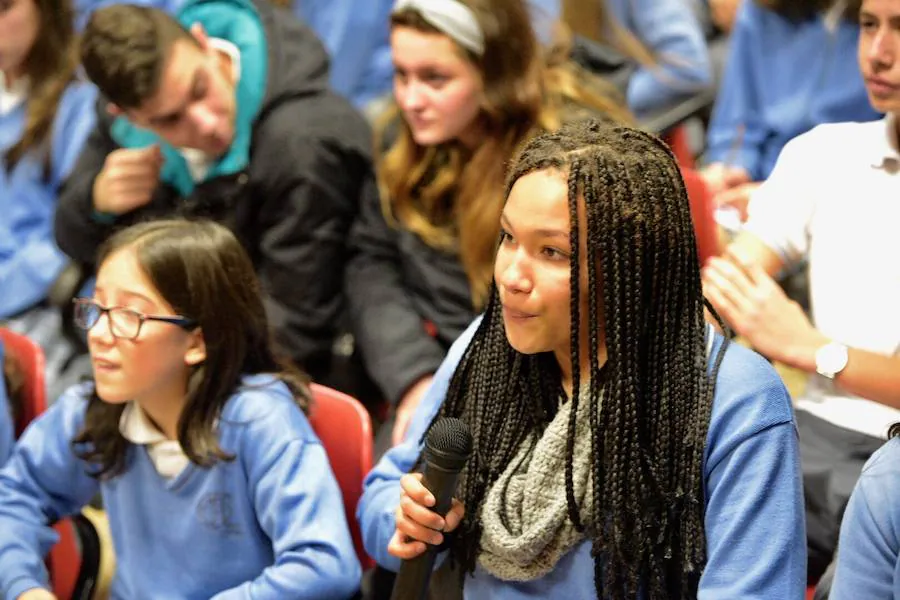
(124,323)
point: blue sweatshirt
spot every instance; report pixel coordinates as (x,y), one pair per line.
(782,79)
(7,427)
(84,8)
(357,35)
(756,538)
(671,31)
(29,260)
(268,525)
(868,560)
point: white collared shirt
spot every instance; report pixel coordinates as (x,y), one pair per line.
(11,97)
(166,455)
(834,198)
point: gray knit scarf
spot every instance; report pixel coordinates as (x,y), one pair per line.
(525,518)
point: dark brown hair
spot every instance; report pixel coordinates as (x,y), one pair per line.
(50,67)
(203,272)
(450,196)
(802,10)
(14,382)
(648,438)
(124,49)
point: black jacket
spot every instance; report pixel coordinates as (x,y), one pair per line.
(293,204)
(408,301)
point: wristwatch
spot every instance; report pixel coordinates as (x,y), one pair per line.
(831,359)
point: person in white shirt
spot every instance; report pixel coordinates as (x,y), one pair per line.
(834,200)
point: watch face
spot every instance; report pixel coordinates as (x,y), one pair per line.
(831,359)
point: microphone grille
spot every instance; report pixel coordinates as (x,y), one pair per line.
(450,436)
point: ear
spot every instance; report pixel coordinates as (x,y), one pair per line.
(113,110)
(196,352)
(200,35)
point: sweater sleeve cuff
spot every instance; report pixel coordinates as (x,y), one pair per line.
(21,585)
(103,218)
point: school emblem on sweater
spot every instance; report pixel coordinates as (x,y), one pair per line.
(216,511)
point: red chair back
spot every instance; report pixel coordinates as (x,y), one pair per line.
(345,429)
(677,140)
(30,359)
(64,560)
(702,213)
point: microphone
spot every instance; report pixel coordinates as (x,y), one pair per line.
(447,448)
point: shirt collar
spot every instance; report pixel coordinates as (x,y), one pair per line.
(886,151)
(13,95)
(136,427)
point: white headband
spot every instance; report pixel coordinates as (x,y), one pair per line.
(450,16)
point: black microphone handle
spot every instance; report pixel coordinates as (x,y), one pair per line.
(415,574)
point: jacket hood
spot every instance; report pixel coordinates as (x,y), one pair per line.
(281,59)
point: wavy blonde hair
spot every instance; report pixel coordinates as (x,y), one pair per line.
(451,196)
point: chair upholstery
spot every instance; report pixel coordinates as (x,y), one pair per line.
(64,560)
(702,213)
(345,429)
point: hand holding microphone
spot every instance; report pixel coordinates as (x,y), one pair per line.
(417,523)
(427,508)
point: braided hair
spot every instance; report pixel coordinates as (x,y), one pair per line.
(648,439)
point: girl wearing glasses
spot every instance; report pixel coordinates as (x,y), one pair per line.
(213,480)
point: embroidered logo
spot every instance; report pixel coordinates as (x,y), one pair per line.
(216,511)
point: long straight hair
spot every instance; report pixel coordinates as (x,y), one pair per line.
(50,67)
(203,272)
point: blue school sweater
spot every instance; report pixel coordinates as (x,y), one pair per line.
(756,537)
(671,31)
(868,563)
(7,427)
(357,34)
(782,79)
(29,260)
(84,8)
(268,525)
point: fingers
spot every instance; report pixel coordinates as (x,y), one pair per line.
(728,277)
(128,179)
(403,548)
(735,176)
(714,177)
(729,290)
(733,196)
(134,174)
(409,516)
(417,525)
(131,193)
(415,517)
(136,155)
(754,271)
(723,305)
(455,516)
(140,165)
(411,485)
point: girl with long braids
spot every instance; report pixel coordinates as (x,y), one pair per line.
(471,84)
(622,449)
